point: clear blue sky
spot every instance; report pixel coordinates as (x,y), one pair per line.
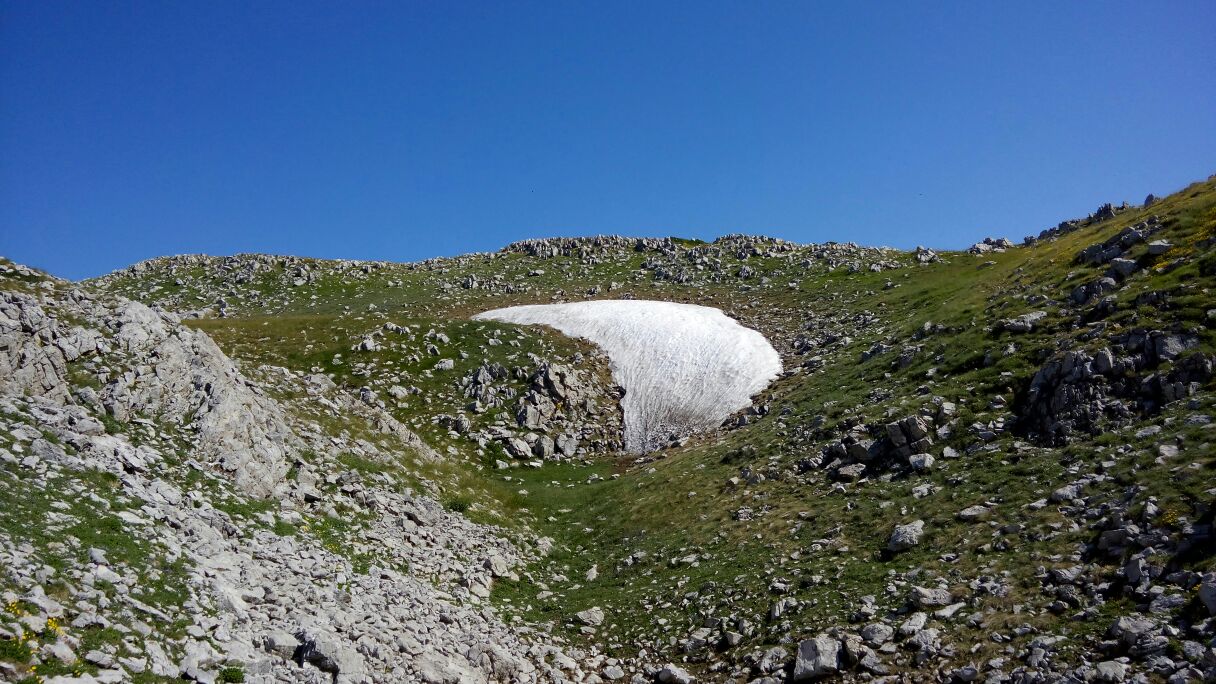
(403,130)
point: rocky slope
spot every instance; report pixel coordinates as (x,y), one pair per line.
(158,508)
(989,465)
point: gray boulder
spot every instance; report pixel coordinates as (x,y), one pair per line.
(973,513)
(1207,592)
(817,657)
(877,634)
(592,617)
(1123,267)
(1024,323)
(928,598)
(1110,671)
(905,537)
(330,653)
(670,674)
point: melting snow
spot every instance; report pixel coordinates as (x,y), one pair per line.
(685,368)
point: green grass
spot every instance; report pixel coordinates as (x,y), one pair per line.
(14,651)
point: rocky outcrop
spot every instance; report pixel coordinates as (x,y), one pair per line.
(35,349)
(562,410)
(153,368)
(189,381)
(157,408)
(1112,250)
(1079,392)
(990,245)
(872,449)
(588,246)
(1104,212)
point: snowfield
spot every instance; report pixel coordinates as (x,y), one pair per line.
(685,368)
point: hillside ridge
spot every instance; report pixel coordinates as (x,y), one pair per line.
(992,464)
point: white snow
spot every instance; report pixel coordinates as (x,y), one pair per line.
(685,368)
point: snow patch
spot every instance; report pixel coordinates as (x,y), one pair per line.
(685,368)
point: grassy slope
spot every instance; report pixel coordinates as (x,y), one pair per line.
(824,539)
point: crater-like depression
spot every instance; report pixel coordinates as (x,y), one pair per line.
(684,367)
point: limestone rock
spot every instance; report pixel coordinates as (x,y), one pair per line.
(817,657)
(906,536)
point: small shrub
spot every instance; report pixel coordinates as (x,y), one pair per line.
(457,504)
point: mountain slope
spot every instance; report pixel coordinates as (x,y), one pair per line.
(994,464)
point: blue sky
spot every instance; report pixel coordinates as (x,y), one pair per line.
(401,130)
